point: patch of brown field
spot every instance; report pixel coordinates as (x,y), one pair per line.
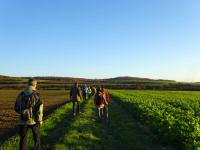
(9,118)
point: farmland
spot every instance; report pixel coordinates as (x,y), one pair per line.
(173,116)
(9,119)
(139,119)
(86,132)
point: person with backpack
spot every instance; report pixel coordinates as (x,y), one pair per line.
(30,107)
(75,97)
(89,92)
(85,92)
(94,90)
(108,99)
(100,102)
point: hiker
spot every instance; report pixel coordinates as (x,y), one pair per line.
(93,91)
(75,97)
(89,92)
(85,92)
(108,98)
(100,102)
(30,107)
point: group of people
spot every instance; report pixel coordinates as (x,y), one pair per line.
(30,107)
(101,98)
(87,91)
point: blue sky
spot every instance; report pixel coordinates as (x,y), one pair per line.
(101,38)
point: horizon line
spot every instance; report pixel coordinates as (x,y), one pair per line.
(62,76)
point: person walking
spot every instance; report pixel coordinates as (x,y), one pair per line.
(75,96)
(108,99)
(100,102)
(94,90)
(85,92)
(89,92)
(30,107)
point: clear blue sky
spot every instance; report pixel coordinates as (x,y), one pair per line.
(101,38)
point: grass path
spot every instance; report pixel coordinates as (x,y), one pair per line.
(84,133)
(121,133)
(50,139)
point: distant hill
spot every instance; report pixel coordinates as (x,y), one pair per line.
(64,79)
(136,79)
(8,78)
(70,79)
(124,82)
(1,76)
(129,78)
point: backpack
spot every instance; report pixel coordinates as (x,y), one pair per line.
(26,106)
(98,100)
(84,90)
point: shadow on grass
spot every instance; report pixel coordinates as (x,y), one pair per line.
(60,130)
(147,134)
(85,133)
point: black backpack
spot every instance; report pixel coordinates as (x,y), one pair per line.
(98,100)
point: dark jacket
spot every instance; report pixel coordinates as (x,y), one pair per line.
(35,112)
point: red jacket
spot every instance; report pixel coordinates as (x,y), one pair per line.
(108,97)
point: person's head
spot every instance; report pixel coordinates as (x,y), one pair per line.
(76,83)
(32,82)
(98,89)
(102,87)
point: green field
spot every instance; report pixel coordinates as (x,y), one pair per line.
(173,116)
(139,120)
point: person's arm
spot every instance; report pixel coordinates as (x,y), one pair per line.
(39,107)
(106,102)
(79,93)
(70,94)
(40,115)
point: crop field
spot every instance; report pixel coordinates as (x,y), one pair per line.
(138,119)
(173,116)
(9,119)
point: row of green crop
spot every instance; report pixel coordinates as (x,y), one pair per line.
(173,124)
(180,99)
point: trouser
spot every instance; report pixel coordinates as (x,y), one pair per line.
(85,96)
(103,112)
(106,111)
(90,95)
(23,132)
(77,105)
(100,113)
